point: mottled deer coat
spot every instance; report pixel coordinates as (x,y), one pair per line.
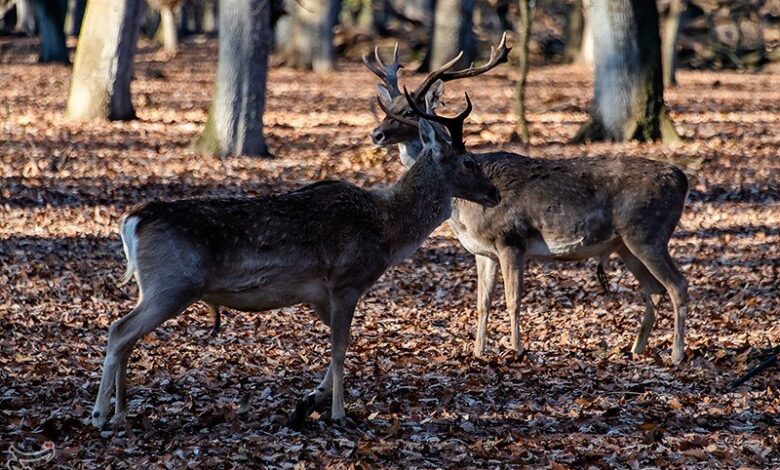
(553,209)
(323,245)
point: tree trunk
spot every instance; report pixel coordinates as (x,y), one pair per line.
(208,19)
(168,32)
(235,122)
(310,44)
(25,17)
(671,33)
(453,32)
(50,17)
(628,102)
(379,16)
(103,67)
(77,8)
(191,17)
(585,55)
(525,33)
(575,23)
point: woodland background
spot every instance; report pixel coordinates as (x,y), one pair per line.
(417,398)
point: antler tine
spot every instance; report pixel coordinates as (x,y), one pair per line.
(453,124)
(435,75)
(498,55)
(378,58)
(387,73)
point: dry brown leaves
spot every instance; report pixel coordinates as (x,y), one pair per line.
(416,396)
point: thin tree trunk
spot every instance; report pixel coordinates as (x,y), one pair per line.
(379,16)
(310,44)
(525,33)
(169,31)
(235,122)
(50,17)
(585,55)
(669,43)
(103,66)
(453,32)
(628,102)
(574,32)
(25,17)
(77,8)
(209,16)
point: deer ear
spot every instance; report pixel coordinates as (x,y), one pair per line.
(428,137)
(384,95)
(433,97)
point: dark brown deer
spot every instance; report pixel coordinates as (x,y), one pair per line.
(553,209)
(323,245)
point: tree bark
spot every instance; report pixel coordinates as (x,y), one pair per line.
(310,44)
(453,32)
(50,18)
(235,122)
(525,33)
(628,102)
(103,66)
(671,33)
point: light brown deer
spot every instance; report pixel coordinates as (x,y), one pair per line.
(552,209)
(323,245)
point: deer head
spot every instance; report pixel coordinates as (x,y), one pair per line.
(426,96)
(442,141)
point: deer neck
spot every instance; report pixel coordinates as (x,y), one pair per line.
(415,206)
(409,152)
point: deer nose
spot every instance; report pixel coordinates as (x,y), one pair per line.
(378,137)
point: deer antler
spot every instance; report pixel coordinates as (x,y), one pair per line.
(388,73)
(453,124)
(498,55)
(397,117)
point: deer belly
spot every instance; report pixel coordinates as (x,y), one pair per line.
(568,249)
(271,295)
(476,246)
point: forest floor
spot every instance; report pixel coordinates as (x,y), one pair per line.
(416,397)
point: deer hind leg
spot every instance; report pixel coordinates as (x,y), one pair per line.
(216,315)
(317,397)
(658,261)
(120,411)
(153,310)
(487,270)
(601,274)
(650,287)
(512,264)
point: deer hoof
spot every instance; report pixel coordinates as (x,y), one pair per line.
(678,356)
(119,420)
(302,409)
(99,419)
(339,422)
